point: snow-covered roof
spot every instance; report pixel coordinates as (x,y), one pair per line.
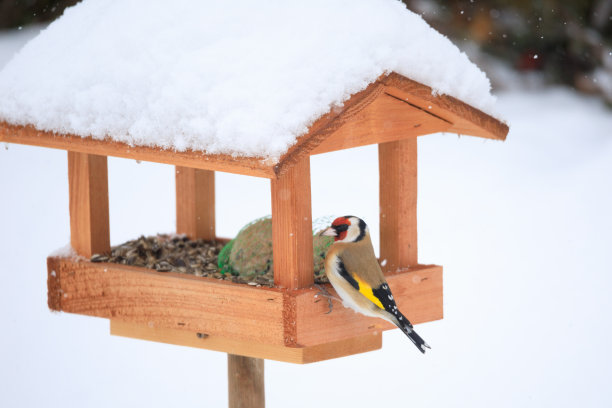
(241,78)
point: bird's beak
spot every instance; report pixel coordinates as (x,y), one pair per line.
(330,232)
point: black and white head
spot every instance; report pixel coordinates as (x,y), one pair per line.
(347,229)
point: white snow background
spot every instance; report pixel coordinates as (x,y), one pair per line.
(522,228)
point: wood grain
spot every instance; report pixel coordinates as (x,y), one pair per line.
(220,309)
(326,125)
(397,163)
(28,135)
(88,190)
(195,203)
(466,119)
(346,120)
(163,299)
(296,355)
(245,382)
(292,227)
(385,119)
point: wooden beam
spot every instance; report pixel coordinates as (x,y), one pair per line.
(354,119)
(397,162)
(327,124)
(88,189)
(195,203)
(28,135)
(225,310)
(245,382)
(466,119)
(292,227)
(297,355)
(385,120)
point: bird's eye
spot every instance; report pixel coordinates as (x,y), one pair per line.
(341,228)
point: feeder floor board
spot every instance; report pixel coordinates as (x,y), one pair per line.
(296,355)
(268,319)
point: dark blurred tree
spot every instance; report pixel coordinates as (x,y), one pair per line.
(18,13)
(570,42)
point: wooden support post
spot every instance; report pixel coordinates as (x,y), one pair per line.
(195,203)
(397,163)
(292,227)
(245,377)
(88,189)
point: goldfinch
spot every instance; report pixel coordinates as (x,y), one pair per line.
(354,272)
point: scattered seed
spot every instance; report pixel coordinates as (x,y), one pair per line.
(176,253)
(163,266)
(99,258)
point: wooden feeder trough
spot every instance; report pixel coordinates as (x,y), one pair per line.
(284,323)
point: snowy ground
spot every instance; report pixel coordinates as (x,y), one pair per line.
(522,228)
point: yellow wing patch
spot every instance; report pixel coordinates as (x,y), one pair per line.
(366,290)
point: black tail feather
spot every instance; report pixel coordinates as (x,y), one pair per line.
(418,341)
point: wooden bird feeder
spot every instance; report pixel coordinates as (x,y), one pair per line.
(284,323)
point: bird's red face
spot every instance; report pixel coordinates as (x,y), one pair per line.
(341,226)
(338,229)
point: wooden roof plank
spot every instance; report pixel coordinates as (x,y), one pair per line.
(28,135)
(327,124)
(386,119)
(466,119)
(369,117)
(373,115)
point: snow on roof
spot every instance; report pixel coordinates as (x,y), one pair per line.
(244,78)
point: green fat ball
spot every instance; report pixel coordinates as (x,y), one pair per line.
(250,253)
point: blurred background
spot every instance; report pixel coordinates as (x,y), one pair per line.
(566,42)
(562,42)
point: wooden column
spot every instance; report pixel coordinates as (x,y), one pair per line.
(397,163)
(292,227)
(88,189)
(195,203)
(245,377)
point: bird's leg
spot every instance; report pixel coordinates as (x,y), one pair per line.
(323,292)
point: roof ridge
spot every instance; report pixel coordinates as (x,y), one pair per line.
(323,127)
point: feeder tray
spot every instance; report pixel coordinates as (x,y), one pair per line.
(288,322)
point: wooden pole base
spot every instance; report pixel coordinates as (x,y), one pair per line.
(245,378)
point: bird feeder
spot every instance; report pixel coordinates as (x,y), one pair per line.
(292,66)
(287,322)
